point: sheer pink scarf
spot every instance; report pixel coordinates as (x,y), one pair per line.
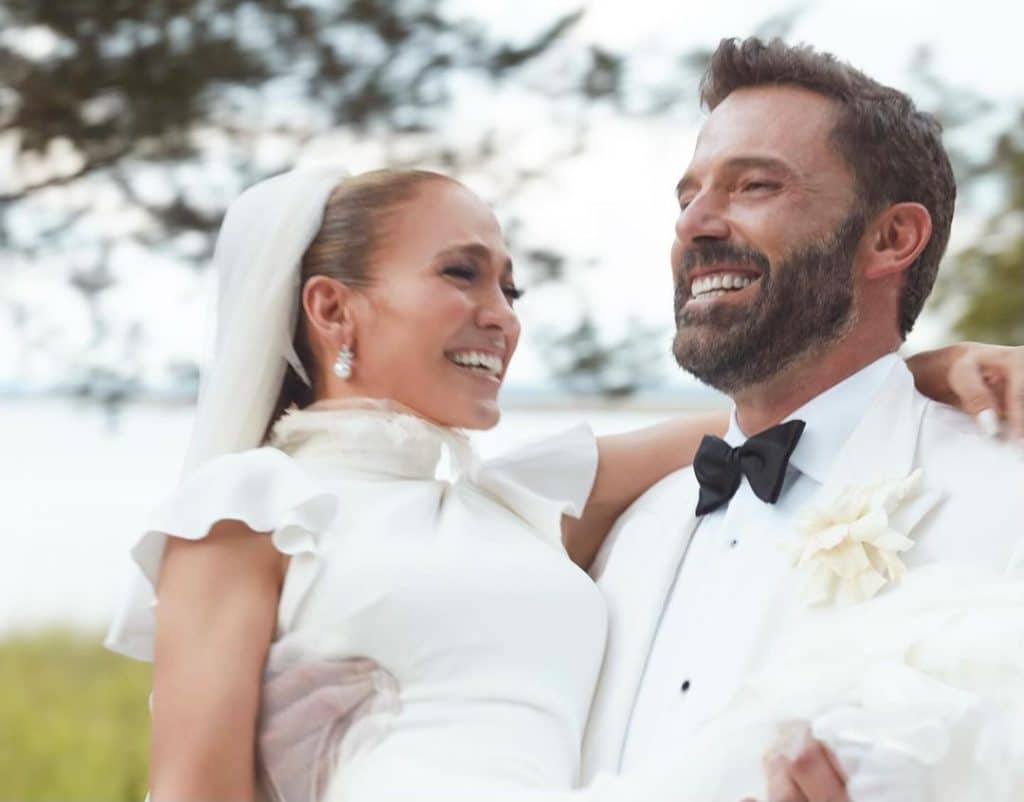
(306,711)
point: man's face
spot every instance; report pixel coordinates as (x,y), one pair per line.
(765,240)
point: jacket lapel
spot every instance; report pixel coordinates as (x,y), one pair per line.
(884,446)
(635,570)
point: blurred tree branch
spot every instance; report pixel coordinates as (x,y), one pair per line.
(172,106)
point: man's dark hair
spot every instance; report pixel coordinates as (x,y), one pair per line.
(894,150)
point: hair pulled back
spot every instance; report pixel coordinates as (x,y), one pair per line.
(356,220)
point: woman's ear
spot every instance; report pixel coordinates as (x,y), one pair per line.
(895,239)
(328,306)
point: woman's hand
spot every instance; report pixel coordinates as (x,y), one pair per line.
(984,381)
(801,769)
(813,775)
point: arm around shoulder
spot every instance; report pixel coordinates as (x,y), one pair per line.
(628,464)
(218,600)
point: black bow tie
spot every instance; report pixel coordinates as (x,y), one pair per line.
(762,459)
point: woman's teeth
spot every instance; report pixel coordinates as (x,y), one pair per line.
(477,360)
(719,284)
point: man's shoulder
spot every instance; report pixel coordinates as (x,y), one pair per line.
(669,499)
(979,481)
(953,447)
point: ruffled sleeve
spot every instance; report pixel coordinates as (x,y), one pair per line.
(543,481)
(264,489)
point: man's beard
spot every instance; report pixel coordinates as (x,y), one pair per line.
(803,306)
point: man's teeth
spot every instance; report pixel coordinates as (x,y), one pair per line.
(479,360)
(719,284)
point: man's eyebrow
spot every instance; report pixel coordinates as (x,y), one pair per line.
(760,162)
(684,184)
(741,163)
(474,250)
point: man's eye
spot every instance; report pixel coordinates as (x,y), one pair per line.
(755,185)
(460,272)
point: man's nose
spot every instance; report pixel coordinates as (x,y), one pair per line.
(703,218)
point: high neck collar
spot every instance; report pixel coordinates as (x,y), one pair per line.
(370,436)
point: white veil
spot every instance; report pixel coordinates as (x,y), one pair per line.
(259,249)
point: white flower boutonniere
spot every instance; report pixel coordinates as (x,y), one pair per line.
(847,547)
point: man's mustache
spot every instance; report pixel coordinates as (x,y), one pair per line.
(707,254)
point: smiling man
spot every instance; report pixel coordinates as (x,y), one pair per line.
(812,220)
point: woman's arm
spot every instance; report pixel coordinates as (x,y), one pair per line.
(628,464)
(975,377)
(217,608)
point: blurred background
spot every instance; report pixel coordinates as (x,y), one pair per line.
(127,127)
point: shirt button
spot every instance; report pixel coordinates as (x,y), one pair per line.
(733,543)
(685,686)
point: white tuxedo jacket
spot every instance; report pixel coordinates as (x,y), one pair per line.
(970,508)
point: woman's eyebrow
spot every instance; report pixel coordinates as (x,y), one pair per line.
(474,250)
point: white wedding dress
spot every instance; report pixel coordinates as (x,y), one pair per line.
(478,641)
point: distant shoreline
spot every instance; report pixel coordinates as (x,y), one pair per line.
(686,398)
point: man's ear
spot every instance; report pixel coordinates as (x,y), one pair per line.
(328,305)
(895,238)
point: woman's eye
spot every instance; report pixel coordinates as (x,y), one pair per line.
(468,273)
(513,294)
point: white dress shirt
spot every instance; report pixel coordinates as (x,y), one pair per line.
(733,565)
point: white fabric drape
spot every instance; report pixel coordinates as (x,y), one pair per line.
(259,250)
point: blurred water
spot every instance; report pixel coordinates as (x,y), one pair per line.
(76,487)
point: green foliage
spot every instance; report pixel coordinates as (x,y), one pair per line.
(74,720)
(992,270)
(994,283)
(984,281)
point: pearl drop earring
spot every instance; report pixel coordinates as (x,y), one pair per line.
(343,364)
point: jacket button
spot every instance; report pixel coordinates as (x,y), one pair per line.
(685,686)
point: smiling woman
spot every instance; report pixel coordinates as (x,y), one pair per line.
(432,314)
(431,325)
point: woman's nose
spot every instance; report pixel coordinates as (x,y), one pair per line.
(495,311)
